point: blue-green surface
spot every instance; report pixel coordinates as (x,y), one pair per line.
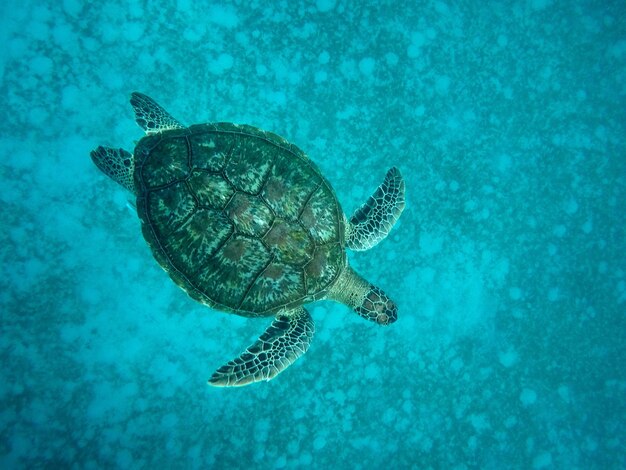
(508,121)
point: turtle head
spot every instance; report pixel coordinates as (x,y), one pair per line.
(369,301)
(377,307)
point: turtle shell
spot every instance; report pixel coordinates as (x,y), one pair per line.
(240,218)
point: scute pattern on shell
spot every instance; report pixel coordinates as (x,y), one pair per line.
(240,218)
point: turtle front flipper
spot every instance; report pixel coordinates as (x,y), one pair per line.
(373,221)
(286,339)
(117,164)
(150,116)
(367,300)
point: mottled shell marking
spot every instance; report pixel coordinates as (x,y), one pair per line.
(241,219)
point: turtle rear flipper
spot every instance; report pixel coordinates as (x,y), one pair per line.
(285,340)
(150,116)
(373,221)
(117,164)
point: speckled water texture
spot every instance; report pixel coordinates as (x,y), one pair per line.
(507,120)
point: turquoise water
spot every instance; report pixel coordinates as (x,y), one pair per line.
(507,120)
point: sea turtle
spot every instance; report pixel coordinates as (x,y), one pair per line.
(244,222)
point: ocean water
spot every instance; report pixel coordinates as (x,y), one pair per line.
(508,122)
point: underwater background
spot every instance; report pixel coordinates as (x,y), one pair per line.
(508,122)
